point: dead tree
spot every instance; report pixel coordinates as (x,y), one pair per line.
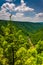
(10,17)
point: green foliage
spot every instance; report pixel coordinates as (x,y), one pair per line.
(39,46)
(21,52)
(30,61)
(18,62)
(19,46)
(32,52)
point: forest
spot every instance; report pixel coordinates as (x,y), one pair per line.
(21,43)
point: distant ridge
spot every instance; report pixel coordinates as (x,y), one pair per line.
(22,21)
(28,26)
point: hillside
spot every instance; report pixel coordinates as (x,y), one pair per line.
(33,30)
(25,26)
(21,43)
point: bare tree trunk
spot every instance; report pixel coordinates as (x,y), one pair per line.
(12,56)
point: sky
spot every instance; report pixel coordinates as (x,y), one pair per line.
(22,10)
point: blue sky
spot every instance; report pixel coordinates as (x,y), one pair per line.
(22,10)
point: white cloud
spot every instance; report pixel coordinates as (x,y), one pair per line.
(19,15)
(20,8)
(39,15)
(37,18)
(4,15)
(8,6)
(22,1)
(23,7)
(16,18)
